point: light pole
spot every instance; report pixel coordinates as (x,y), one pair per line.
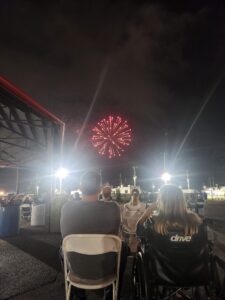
(37,189)
(17,180)
(61,174)
(153,188)
(135,176)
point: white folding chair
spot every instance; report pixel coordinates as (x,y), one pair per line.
(91,244)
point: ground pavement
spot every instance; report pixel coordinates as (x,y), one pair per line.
(30,268)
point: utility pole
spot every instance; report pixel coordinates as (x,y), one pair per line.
(188,180)
(100,171)
(121,181)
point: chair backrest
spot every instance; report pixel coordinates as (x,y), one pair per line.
(179,260)
(92,256)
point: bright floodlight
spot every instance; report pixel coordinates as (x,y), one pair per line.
(166,177)
(61,173)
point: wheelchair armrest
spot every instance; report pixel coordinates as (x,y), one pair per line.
(210,246)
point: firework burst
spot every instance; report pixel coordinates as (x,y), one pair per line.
(110,136)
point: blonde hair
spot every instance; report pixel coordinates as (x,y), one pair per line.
(173,213)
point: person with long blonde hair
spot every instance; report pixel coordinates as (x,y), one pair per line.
(172,213)
(175,241)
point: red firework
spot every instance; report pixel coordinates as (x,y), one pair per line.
(111,136)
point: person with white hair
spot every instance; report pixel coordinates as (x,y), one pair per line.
(131,213)
(106,193)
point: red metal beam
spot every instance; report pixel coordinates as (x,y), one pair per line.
(28,100)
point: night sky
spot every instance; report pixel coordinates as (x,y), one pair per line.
(162,59)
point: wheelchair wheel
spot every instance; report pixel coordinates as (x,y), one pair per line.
(140,282)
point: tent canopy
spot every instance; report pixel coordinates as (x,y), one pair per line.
(28,132)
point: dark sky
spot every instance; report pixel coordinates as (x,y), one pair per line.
(162,59)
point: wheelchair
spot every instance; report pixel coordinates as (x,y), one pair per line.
(165,267)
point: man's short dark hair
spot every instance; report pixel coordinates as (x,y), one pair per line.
(90,183)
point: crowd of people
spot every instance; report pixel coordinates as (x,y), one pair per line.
(16,199)
(94,214)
